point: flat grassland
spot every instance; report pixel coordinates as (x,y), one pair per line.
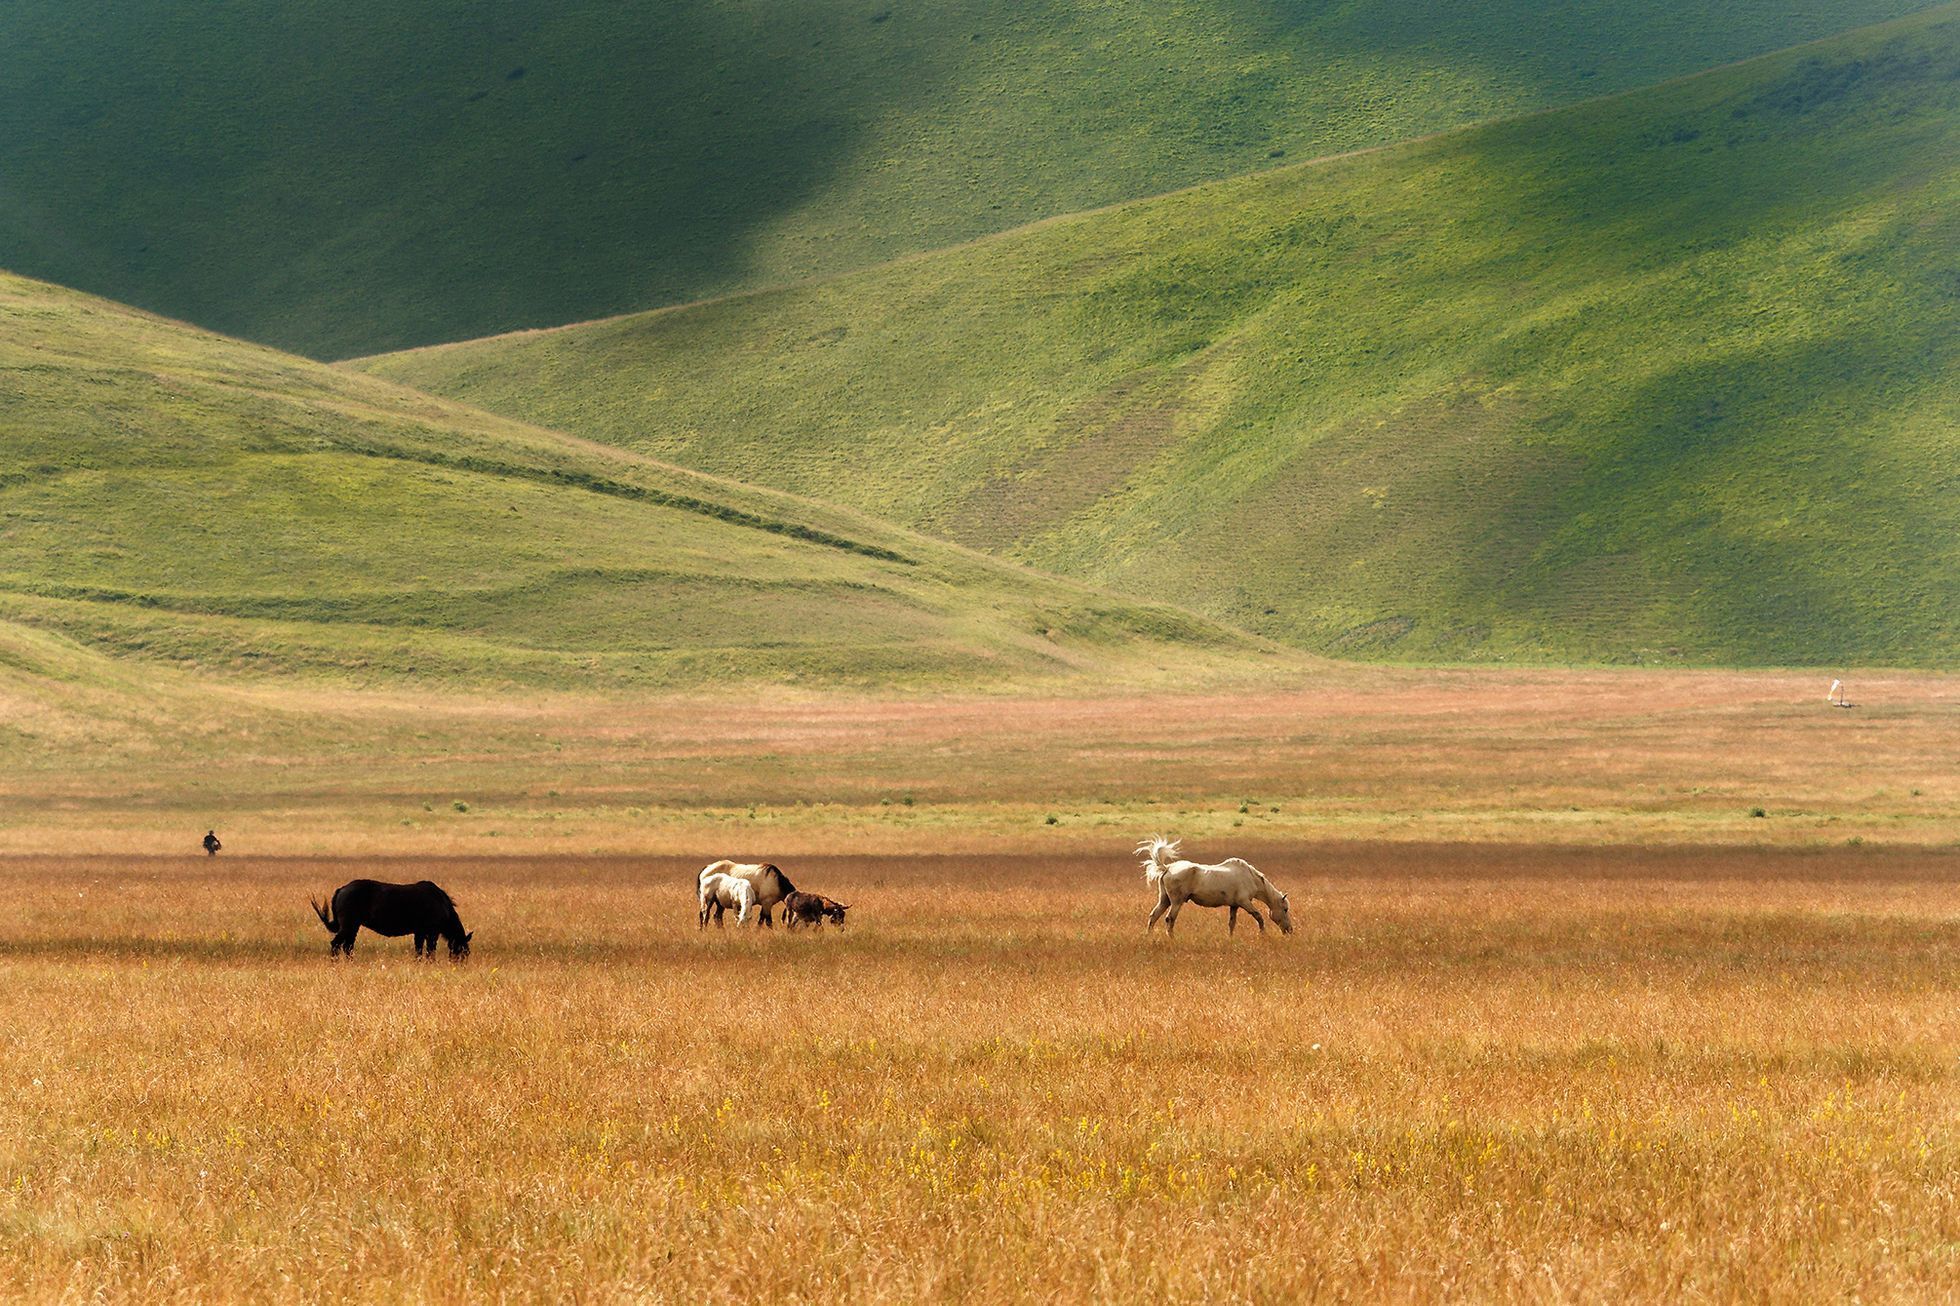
(1477,1069)
(1563,1018)
(1545,755)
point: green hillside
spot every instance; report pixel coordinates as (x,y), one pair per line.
(174,496)
(1673,375)
(366,175)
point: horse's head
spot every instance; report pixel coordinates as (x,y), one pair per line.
(1282,913)
(836,912)
(459,945)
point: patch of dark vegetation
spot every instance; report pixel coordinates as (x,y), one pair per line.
(626,490)
(477,95)
(410,609)
(515,73)
(1819,82)
(882,16)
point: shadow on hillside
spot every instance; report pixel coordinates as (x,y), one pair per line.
(316,178)
(362,177)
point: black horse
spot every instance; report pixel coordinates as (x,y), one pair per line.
(421,909)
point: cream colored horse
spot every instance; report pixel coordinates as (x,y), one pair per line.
(1233,884)
(768,885)
(719,893)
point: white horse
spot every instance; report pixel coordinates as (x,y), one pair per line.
(1232,884)
(720,892)
(768,884)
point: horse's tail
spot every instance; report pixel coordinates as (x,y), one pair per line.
(333,926)
(1155,851)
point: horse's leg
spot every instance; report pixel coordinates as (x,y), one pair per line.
(1254,913)
(1232,919)
(766,919)
(1170,921)
(344,941)
(1163,905)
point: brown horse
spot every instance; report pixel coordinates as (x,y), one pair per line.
(812,909)
(392,910)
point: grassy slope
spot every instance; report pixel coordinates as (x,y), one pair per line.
(362,176)
(177,495)
(1665,376)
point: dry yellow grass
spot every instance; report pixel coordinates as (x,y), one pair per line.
(1477,1070)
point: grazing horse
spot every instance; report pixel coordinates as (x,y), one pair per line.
(719,892)
(812,909)
(1232,883)
(392,910)
(770,884)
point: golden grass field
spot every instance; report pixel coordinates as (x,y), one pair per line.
(1562,1019)
(1476,1070)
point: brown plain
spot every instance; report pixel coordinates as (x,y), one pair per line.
(1562,1019)
(1378,753)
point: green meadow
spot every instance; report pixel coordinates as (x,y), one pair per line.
(173,497)
(349,178)
(1665,377)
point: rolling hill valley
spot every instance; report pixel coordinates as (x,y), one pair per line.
(1667,377)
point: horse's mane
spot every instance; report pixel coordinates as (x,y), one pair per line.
(441,893)
(1240,861)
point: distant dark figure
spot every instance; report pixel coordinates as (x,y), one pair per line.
(392,910)
(211,844)
(812,909)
